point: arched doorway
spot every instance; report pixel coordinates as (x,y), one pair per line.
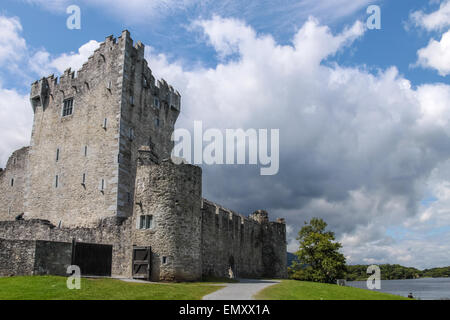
(231,268)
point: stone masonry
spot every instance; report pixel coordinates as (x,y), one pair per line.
(98,170)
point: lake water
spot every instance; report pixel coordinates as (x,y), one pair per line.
(424,289)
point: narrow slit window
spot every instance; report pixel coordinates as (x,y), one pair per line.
(85,151)
(102,185)
(84,179)
(164,260)
(56,181)
(68,107)
(156,103)
(157,122)
(12,182)
(105,122)
(131,134)
(57,155)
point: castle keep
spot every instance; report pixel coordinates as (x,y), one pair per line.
(98,175)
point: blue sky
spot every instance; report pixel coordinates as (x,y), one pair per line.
(364,114)
(170,33)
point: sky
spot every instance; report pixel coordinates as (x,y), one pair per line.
(363,113)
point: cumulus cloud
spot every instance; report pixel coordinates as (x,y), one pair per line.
(43,63)
(356,148)
(12,45)
(15,122)
(436,55)
(436,20)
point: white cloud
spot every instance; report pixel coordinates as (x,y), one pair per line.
(12,45)
(436,55)
(356,148)
(44,64)
(436,20)
(15,122)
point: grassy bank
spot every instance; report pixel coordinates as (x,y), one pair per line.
(299,290)
(54,288)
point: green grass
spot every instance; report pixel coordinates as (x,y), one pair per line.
(54,288)
(300,290)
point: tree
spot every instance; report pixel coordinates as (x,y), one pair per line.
(318,257)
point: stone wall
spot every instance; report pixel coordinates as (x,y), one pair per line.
(149,110)
(171,194)
(230,243)
(13,184)
(244,247)
(16,257)
(77,145)
(111,231)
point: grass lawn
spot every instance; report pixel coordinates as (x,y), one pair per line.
(54,288)
(299,290)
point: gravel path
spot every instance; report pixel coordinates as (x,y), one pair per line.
(244,290)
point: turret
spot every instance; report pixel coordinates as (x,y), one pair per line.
(167,217)
(39,93)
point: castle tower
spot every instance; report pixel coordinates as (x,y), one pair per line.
(168,217)
(87,129)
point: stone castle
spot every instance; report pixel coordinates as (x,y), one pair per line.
(98,171)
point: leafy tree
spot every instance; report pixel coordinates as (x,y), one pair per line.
(318,257)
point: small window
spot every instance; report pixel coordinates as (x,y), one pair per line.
(132,100)
(129,197)
(105,122)
(156,103)
(68,107)
(56,181)
(164,260)
(144,82)
(109,85)
(102,185)
(57,155)
(85,151)
(145,222)
(157,122)
(12,182)
(131,134)
(83,182)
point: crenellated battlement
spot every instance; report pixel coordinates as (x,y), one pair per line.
(73,82)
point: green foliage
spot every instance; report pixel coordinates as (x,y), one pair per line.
(436,272)
(299,290)
(318,257)
(395,272)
